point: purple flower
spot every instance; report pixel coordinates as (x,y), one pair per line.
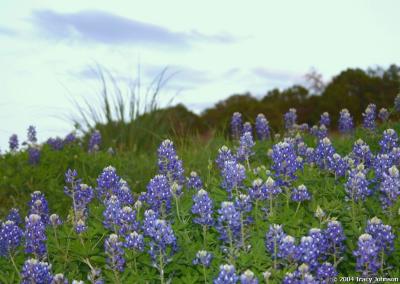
(233,175)
(326,272)
(300,194)
(258,190)
(109,183)
(169,163)
(308,252)
(224,155)
(243,203)
(370,117)
(14,216)
(323,154)
(229,223)
(248,277)
(382,234)
(134,241)
(325,119)
(10,238)
(290,119)
(94,142)
(285,162)
(194,181)
(262,127)
(95,276)
(335,237)
(59,278)
(158,195)
(236,125)
(361,153)
(390,187)
(35,236)
(32,134)
(367,255)
(381,165)
(33,155)
(247,128)
(338,165)
(115,253)
(55,220)
(273,239)
(70,138)
(13,143)
(203,258)
(389,141)
(287,248)
(346,124)
(56,144)
(35,271)
(383,114)
(357,185)
(203,208)
(300,276)
(320,241)
(227,275)
(246,145)
(38,205)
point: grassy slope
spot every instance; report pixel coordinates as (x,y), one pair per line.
(18,180)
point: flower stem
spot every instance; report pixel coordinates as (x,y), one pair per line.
(204,274)
(161,268)
(15,266)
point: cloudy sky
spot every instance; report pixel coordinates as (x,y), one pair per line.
(48,50)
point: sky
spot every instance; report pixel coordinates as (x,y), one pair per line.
(49,50)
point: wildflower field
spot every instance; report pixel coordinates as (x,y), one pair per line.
(308,205)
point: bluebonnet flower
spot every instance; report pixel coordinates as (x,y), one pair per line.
(370,117)
(357,185)
(314,130)
(111,213)
(233,175)
(390,187)
(158,195)
(272,189)
(397,103)
(236,125)
(367,255)
(115,253)
(169,163)
(338,166)
(335,237)
(70,138)
(229,223)
(203,257)
(10,237)
(383,114)
(56,144)
(322,132)
(287,248)
(203,208)
(194,181)
(248,277)
(247,128)
(361,153)
(262,127)
(13,143)
(285,162)
(273,238)
(81,195)
(33,155)
(94,142)
(346,123)
(245,150)
(224,155)
(243,203)
(381,165)
(290,119)
(59,278)
(309,155)
(300,276)
(389,140)
(35,236)
(326,272)
(134,241)
(94,276)
(163,243)
(382,234)
(307,252)
(32,134)
(257,190)
(227,275)
(109,183)
(300,194)
(35,271)
(304,127)
(55,220)
(325,119)
(395,155)
(302,149)
(320,241)
(13,215)
(323,154)
(38,205)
